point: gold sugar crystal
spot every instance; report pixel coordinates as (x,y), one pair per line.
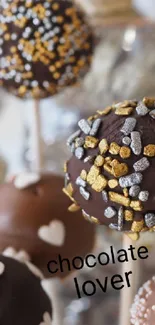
(128,214)
(103,146)
(73,207)
(136,205)
(137,226)
(99,161)
(91,142)
(114,148)
(92,175)
(112,183)
(123,111)
(120,170)
(100,183)
(119,198)
(149,150)
(83,175)
(125,152)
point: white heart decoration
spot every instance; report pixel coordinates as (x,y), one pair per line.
(53,234)
(26,179)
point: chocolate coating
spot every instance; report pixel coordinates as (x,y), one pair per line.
(22,298)
(143,308)
(24,211)
(112,129)
(44,46)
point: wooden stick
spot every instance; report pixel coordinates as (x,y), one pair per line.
(128,294)
(37,145)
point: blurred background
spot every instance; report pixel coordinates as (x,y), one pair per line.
(123,68)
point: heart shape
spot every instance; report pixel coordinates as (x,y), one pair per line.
(53,234)
(26,179)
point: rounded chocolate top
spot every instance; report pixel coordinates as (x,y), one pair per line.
(34,218)
(143,309)
(44,46)
(22,298)
(112,170)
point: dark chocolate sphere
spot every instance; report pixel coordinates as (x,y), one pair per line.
(143,309)
(22,298)
(44,46)
(34,217)
(112,170)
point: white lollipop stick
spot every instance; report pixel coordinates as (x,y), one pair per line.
(37,139)
(128,294)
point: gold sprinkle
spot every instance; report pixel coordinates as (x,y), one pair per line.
(128,214)
(73,207)
(136,205)
(108,169)
(108,160)
(149,150)
(92,175)
(105,111)
(93,117)
(65,167)
(148,101)
(68,190)
(124,111)
(134,236)
(125,152)
(91,142)
(120,170)
(95,220)
(22,90)
(103,146)
(125,192)
(99,161)
(83,175)
(137,226)
(100,183)
(113,183)
(114,148)
(125,103)
(119,198)
(114,162)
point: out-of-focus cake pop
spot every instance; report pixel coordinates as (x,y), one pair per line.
(143,309)
(44,46)
(34,219)
(22,298)
(111,172)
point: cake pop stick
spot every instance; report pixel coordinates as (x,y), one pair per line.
(112,169)
(37,138)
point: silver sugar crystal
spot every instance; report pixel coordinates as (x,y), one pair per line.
(141,165)
(129,125)
(120,218)
(150,220)
(134,191)
(95,127)
(143,196)
(136,143)
(109,212)
(84,126)
(84,193)
(141,109)
(105,196)
(73,137)
(152,113)
(130,180)
(80,182)
(79,152)
(126,141)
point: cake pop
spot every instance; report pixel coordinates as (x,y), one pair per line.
(111,171)
(143,309)
(35,222)
(23,300)
(44,46)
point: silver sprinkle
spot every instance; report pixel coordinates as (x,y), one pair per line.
(136,143)
(72,147)
(67,178)
(84,126)
(105,196)
(130,180)
(81,182)
(129,125)
(109,212)
(134,190)
(95,127)
(150,220)
(84,193)
(113,226)
(141,165)
(79,152)
(120,218)
(152,113)
(141,109)
(143,196)
(73,137)
(126,141)
(89,158)
(79,142)
(86,215)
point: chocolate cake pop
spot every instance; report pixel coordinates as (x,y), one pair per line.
(44,46)
(34,220)
(22,298)
(111,173)
(143,308)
